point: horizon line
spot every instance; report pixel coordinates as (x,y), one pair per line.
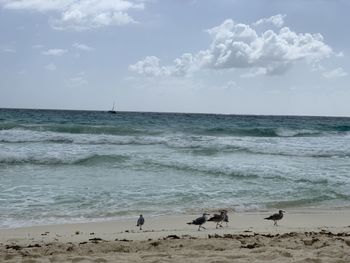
(174,112)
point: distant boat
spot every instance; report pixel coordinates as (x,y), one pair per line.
(113,111)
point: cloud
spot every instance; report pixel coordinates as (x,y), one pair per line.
(277,20)
(82,47)
(54,52)
(37,5)
(236,45)
(51,67)
(335,73)
(149,67)
(77,14)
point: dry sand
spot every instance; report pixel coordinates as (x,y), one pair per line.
(302,236)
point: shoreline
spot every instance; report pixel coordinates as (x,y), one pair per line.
(319,236)
(159,226)
(300,210)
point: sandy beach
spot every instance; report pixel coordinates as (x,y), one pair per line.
(121,113)
(302,236)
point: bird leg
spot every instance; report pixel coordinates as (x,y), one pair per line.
(275,223)
(199,228)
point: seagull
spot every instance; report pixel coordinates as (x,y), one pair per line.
(218,218)
(276,217)
(199,221)
(140,222)
(226,218)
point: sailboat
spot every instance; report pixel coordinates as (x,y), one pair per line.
(113,111)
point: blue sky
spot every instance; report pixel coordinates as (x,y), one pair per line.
(224,56)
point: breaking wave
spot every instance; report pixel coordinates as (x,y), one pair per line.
(65,159)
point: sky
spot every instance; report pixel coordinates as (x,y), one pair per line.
(265,57)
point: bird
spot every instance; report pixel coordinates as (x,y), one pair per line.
(140,221)
(226,218)
(199,221)
(276,217)
(218,218)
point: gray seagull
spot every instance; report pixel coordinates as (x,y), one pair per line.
(199,221)
(218,218)
(276,217)
(140,222)
(226,218)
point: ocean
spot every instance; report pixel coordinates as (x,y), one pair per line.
(60,166)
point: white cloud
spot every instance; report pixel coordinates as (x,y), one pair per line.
(277,20)
(236,45)
(51,67)
(149,67)
(82,47)
(335,73)
(54,52)
(38,5)
(239,46)
(183,65)
(80,15)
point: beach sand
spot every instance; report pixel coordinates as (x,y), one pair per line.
(302,236)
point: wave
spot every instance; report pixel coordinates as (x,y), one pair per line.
(151,163)
(302,202)
(198,145)
(9,126)
(30,136)
(330,154)
(214,151)
(313,181)
(342,128)
(217,171)
(96,158)
(140,130)
(262,132)
(63,160)
(80,129)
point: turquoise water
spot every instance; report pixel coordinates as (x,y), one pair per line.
(78,166)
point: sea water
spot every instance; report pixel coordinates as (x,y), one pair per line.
(80,166)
